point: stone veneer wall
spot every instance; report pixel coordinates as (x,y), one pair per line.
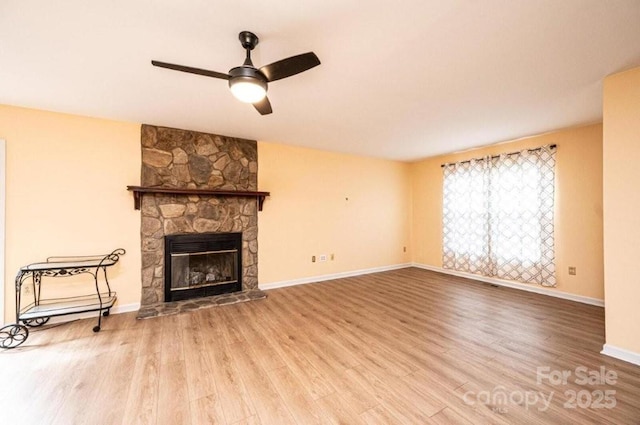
(188,159)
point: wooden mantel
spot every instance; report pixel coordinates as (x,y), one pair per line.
(138,191)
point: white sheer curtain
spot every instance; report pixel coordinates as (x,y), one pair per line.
(498,216)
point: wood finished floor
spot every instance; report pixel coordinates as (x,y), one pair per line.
(400,347)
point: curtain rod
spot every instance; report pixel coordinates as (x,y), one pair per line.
(498,156)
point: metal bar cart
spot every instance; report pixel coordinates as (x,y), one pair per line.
(40,310)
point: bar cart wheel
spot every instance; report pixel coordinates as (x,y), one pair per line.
(105,313)
(12,336)
(34,323)
(96,328)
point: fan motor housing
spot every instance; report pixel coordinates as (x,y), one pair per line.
(249,74)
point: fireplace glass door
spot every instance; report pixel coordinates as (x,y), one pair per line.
(202,265)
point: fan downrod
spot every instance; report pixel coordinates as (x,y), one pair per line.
(248,40)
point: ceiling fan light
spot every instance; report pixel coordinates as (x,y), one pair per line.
(247,89)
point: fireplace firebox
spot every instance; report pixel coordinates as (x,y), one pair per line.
(201,265)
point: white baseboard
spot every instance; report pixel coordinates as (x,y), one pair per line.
(321,278)
(116,309)
(621,354)
(516,285)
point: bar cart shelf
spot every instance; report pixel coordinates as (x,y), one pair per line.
(39,310)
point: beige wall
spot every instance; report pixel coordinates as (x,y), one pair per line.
(308,212)
(578,213)
(622,208)
(66,194)
(66,179)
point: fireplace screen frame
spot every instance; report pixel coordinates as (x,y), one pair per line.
(196,244)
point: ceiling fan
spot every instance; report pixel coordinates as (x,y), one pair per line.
(248,83)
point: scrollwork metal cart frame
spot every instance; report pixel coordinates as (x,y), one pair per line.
(38,312)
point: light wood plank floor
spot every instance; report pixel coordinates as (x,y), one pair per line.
(402,347)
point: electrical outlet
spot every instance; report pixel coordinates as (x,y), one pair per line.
(313,258)
(323,257)
(333,257)
(572,271)
(27,289)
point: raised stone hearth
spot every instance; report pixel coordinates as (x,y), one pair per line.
(173,158)
(176,307)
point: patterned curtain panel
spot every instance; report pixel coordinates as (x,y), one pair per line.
(498,216)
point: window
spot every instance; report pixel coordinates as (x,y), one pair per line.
(498,216)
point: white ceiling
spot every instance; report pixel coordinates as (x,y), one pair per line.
(401,80)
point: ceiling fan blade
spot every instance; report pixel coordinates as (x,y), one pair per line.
(290,66)
(191,70)
(264,106)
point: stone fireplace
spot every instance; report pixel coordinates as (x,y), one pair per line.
(181,159)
